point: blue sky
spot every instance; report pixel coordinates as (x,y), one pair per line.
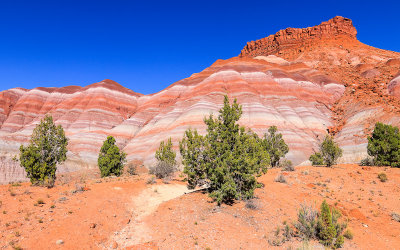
(148,45)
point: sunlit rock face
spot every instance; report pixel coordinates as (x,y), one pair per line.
(307,82)
(293,97)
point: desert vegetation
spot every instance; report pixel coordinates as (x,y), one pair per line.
(329,153)
(227,159)
(111,160)
(166,164)
(384,145)
(47,148)
(275,145)
(324,226)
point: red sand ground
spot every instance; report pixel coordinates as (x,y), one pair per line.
(91,219)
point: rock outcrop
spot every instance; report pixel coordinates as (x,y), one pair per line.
(295,39)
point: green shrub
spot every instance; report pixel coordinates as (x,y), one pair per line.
(316,159)
(166,163)
(348,234)
(382,177)
(165,153)
(329,153)
(367,161)
(111,160)
(326,229)
(227,159)
(47,148)
(275,145)
(339,241)
(323,226)
(384,145)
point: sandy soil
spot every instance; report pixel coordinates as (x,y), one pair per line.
(127,212)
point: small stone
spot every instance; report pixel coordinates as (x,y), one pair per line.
(114,245)
(59,242)
(365,225)
(396,217)
(93,225)
(62,199)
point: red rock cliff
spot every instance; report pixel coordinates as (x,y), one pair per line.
(294,38)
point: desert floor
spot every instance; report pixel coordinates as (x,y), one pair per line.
(83,212)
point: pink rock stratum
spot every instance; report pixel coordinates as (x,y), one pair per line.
(305,81)
(292,96)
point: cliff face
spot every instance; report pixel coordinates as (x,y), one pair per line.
(307,82)
(333,49)
(294,40)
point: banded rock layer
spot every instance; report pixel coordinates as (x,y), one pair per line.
(291,96)
(305,81)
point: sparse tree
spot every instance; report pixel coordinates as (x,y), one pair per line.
(165,152)
(111,160)
(228,158)
(384,145)
(166,163)
(329,153)
(275,145)
(326,229)
(46,149)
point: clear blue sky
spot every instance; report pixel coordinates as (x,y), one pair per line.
(148,45)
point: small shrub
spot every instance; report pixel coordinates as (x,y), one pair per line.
(252,204)
(40,221)
(382,177)
(111,160)
(286,165)
(329,153)
(316,159)
(367,161)
(275,145)
(323,226)
(151,180)
(306,222)
(348,234)
(280,178)
(165,153)
(163,169)
(326,229)
(339,241)
(40,202)
(132,169)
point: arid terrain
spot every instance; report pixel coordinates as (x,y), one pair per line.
(126,212)
(306,81)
